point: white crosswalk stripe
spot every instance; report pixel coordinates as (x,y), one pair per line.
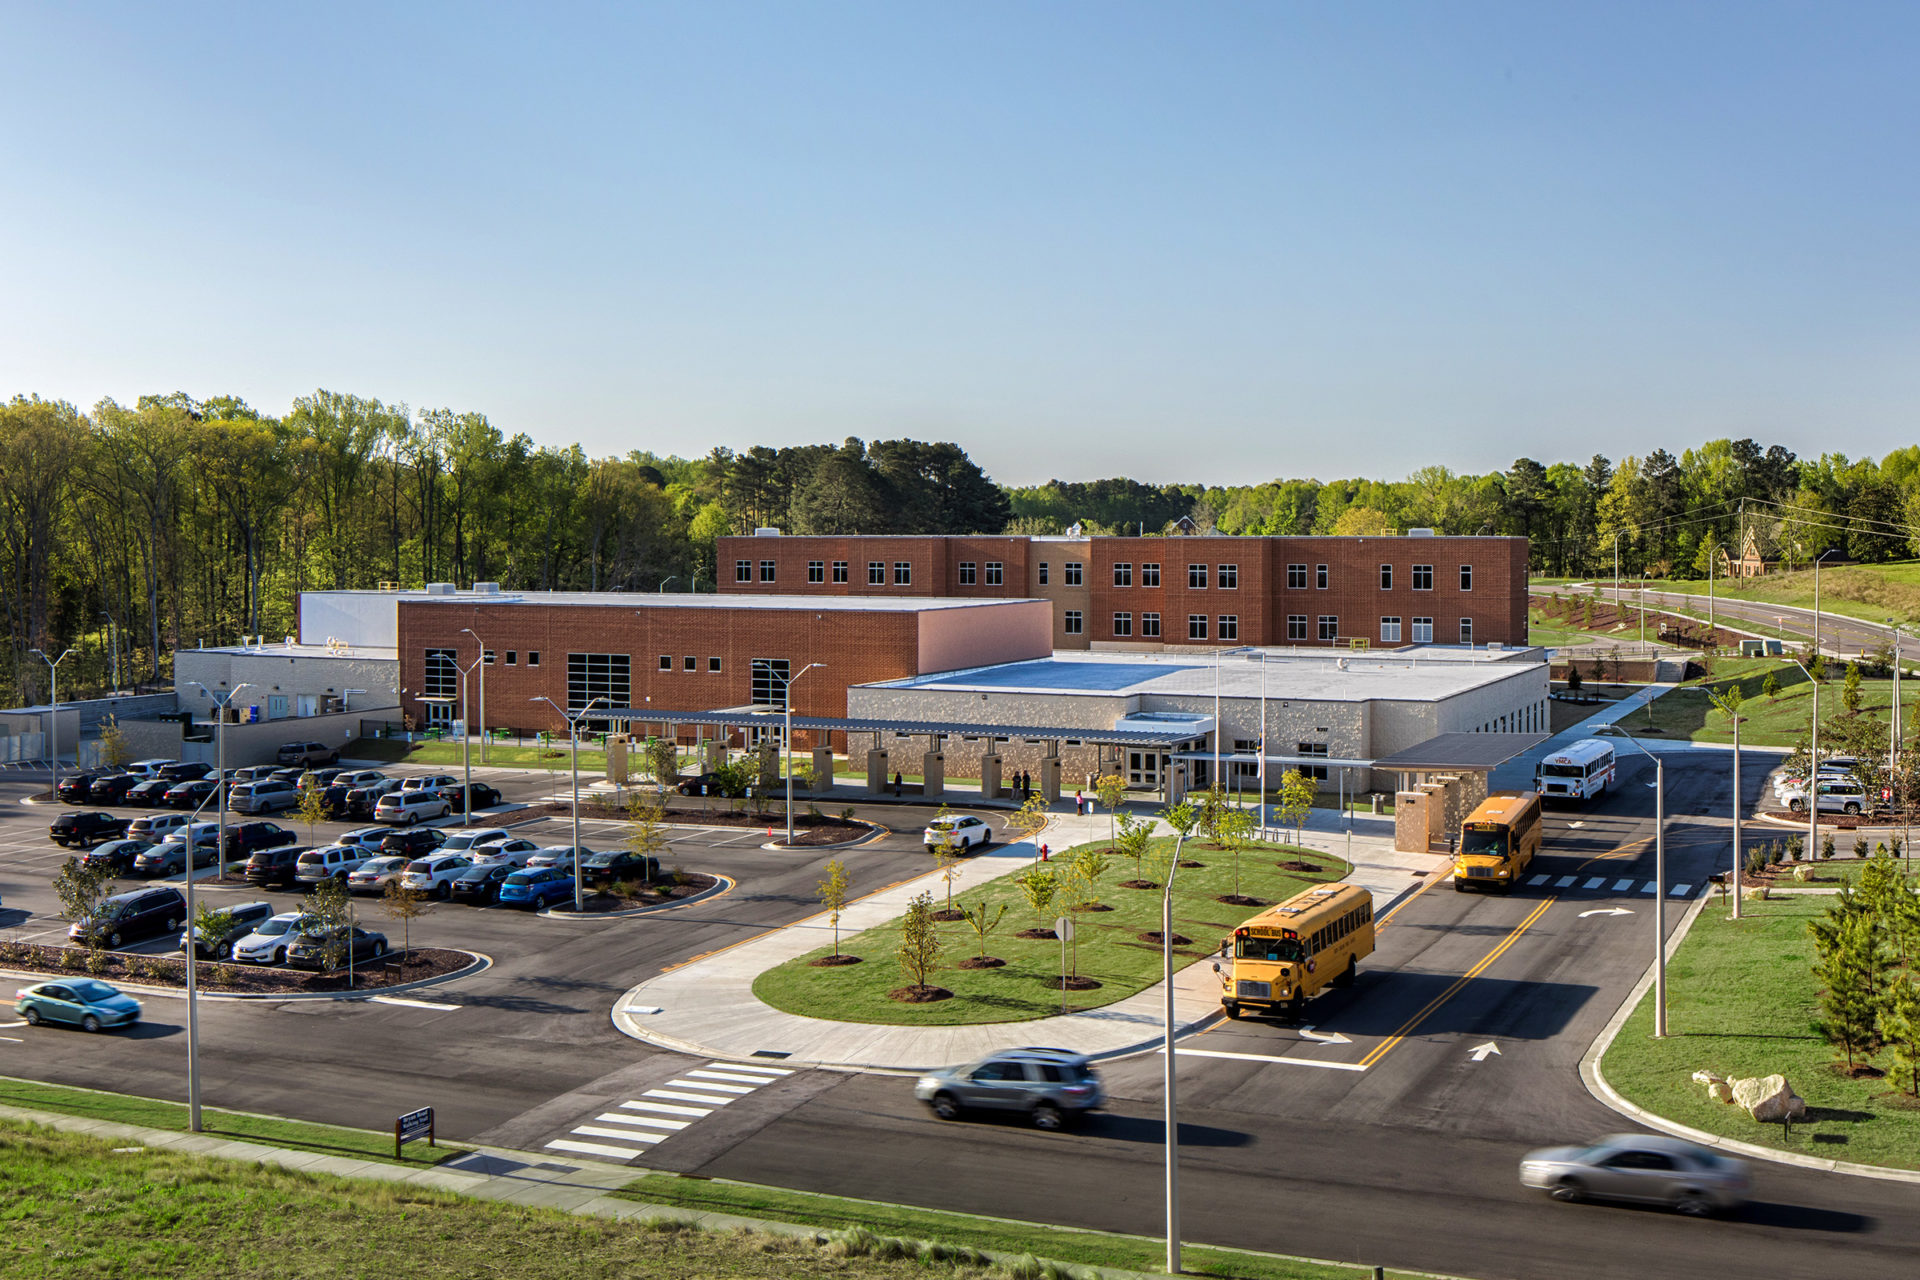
(649,1122)
(593,1149)
(681,1095)
(624,1135)
(1564,881)
(1538,880)
(1649,887)
(731,1077)
(627,1132)
(1594,883)
(1622,886)
(735,1089)
(1680,891)
(667,1108)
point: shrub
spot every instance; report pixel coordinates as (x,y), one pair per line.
(1826,847)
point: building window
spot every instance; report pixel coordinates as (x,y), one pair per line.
(666,662)
(839,570)
(1423,577)
(1389,631)
(1296,626)
(598,675)
(968,571)
(1196,577)
(442,675)
(902,573)
(1196,626)
(1315,771)
(1423,630)
(876,573)
(1149,575)
(1229,579)
(766,571)
(1150,624)
(1122,624)
(1329,627)
(689,663)
(1043,573)
(816,571)
(713,664)
(996,573)
(513,657)
(1122,575)
(1229,626)
(1296,577)
(1466,577)
(1071,621)
(743,571)
(770,679)
(1070,573)
(1320,576)
(533,657)
(1386,577)
(1466,631)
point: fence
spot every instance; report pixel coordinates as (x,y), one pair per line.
(23,748)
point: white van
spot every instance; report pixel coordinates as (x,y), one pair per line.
(265,796)
(404,808)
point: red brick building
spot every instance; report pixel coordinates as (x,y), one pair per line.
(1146,593)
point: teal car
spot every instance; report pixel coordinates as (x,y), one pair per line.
(86,1003)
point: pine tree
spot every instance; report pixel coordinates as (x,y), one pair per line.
(1850,692)
(1770,687)
(1847,1006)
(1900,1030)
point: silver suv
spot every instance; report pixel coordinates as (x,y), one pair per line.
(1047,1085)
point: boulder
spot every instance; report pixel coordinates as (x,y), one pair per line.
(1803,873)
(1769,1099)
(1756,891)
(1717,1087)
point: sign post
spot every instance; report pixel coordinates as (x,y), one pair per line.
(411,1127)
(1063,928)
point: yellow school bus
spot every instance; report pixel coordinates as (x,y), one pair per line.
(1288,954)
(1498,841)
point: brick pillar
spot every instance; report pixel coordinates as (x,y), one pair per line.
(990,777)
(933,767)
(822,768)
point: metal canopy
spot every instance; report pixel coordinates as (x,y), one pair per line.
(911,728)
(1253,757)
(1461,753)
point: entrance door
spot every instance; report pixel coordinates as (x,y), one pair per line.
(276,706)
(440,713)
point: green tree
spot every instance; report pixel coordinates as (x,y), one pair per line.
(1770,687)
(80,890)
(1181,817)
(663,761)
(1031,818)
(1236,829)
(1039,885)
(646,831)
(1213,809)
(1133,840)
(1817,666)
(405,906)
(216,930)
(332,910)
(1850,691)
(919,940)
(947,852)
(983,922)
(1296,800)
(1900,1029)
(1573,678)
(1111,790)
(1087,866)
(114,751)
(832,892)
(1845,967)
(312,810)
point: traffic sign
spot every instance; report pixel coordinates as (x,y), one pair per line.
(1063,929)
(412,1127)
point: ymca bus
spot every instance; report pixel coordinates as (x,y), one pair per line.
(1581,772)
(1498,841)
(1288,954)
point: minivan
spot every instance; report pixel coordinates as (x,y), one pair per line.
(265,796)
(127,916)
(409,807)
(247,917)
(330,863)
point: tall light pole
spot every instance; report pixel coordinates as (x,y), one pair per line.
(193,942)
(786,742)
(663,585)
(53,721)
(1813,767)
(1659,878)
(466,734)
(573,720)
(1732,708)
(469,631)
(113,634)
(1173,1109)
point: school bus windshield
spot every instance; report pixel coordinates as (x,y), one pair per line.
(1271,949)
(1487,843)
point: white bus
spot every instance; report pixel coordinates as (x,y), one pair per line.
(1580,772)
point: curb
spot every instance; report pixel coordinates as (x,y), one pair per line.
(878,832)
(481,963)
(722,884)
(1608,1096)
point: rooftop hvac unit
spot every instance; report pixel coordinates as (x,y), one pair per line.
(1419,533)
(766,531)
(440,588)
(486,588)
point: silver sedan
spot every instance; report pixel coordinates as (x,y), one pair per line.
(1642,1168)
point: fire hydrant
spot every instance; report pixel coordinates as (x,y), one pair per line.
(1043,853)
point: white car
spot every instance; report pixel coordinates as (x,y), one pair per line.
(149,768)
(514,850)
(1835,796)
(429,782)
(247,917)
(467,838)
(435,874)
(156,826)
(334,862)
(358,778)
(373,875)
(964,830)
(268,944)
(404,808)
(555,855)
(1785,782)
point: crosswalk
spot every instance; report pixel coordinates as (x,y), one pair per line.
(625,1133)
(1648,889)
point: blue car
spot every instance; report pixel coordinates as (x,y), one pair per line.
(87,1003)
(536,888)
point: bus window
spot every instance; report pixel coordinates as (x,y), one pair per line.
(1492,842)
(1275,950)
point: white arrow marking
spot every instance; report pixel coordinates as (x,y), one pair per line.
(1479,1052)
(1324,1037)
(1572,825)
(1606,911)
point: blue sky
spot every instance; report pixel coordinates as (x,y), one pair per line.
(1220,242)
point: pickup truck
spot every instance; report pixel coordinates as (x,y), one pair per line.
(83,830)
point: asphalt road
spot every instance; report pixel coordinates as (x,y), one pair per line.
(1839,634)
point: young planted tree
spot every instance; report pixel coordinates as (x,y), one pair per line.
(1573,679)
(1136,835)
(919,941)
(663,761)
(1181,817)
(216,929)
(81,889)
(1770,687)
(1236,829)
(114,749)
(1031,818)
(983,922)
(1040,886)
(1213,807)
(332,910)
(646,831)
(1850,691)
(832,892)
(312,810)
(1900,1030)
(1086,867)
(404,905)
(947,860)
(1111,790)
(1845,969)
(1296,800)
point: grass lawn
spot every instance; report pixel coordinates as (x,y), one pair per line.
(1741,1000)
(1110,948)
(1779,721)
(393,751)
(152,1113)
(1084,1248)
(75,1210)
(1869,592)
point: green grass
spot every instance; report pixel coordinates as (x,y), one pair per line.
(153,1113)
(1110,949)
(1001,1235)
(393,751)
(1872,593)
(1779,721)
(76,1210)
(1741,1000)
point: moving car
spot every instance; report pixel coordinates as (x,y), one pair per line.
(406,808)
(375,874)
(611,866)
(79,830)
(269,942)
(87,1003)
(115,855)
(435,874)
(1644,1168)
(309,951)
(480,883)
(247,916)
(1049,1086)
(127,917)
(965,830)
(535,887)
(307,753)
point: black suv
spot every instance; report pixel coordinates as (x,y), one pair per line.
(613,865)
(184,770)
(80,830)
(249,837)
(127,916)
(115,855)
(77,788)
(113,787)
(148,793)
(273,866)
(414,842)
(484,797)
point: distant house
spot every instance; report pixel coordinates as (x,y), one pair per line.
(1184,527)
(1751,563)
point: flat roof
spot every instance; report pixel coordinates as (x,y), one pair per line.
(1173,734)
(1462,752)
(1352,677)
(685,600)
(365,652)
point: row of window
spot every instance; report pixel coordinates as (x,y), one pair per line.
(1227,625)
(817,572)
(1226,577)
(688,663)
(996,573)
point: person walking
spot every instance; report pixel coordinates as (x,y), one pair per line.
(1079,806)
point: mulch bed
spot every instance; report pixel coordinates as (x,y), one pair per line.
(919,994)
(236,979)
(1139,884)
(1038,935)
(1179,940)
(980,962)
(808,829)
(1189,862)
(1093,906)
(1295,864)
(833,962)
(1836,821)
(949,916)
(1072,984)
(684,885)
(1238,900)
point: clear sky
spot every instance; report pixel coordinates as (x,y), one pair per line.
(1220,242)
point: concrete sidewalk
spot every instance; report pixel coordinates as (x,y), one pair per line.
(708,1008)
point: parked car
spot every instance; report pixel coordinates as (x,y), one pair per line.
(1642,1167)
(156,826)
(77,788)
(309,951)
(113,788)
(557,855)
(291,775)
(89,827)
(963,829)
(148,793)
(484,797)
(435,874)
(274,866)
(480,883)
(370,837)
(405,808)
(169,858)
(247,916)
(428,782)
(514,851)
(706,784)
(306,753)
(268,943)
(87,1003)
(1832,796)
(468,839)
(115,855)
(413,843)
(333,800)
(266,796)
(150,768)
(252,773)
(318,778)
(191,793)
(610,866)
(1049,1085)
(358,778)
(362,800)
(330,862)
(128,917)
(248,837)
(535,887)
(375,874)
(184,770)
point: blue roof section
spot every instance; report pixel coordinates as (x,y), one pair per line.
(1054,675)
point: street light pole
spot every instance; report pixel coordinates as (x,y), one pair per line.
(786,741)
(1659,878)
(113,634)
(53,721)
(1813,767)
(573,720)
(466,730)
(1173,1110)
(483,697)
(193,941)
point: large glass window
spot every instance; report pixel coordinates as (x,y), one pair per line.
(1423,630)
(1070,573)
(1229,624)
(1196,577)
(1296,626)
(1296,577)
(743,571)
(1228,577)
(1149,575)
(1423,577)
(598,675)
(902,573)
(1316,771)
(770,678)
(442,678)
(876,573)
(996,573)
(1196,626)
(839,570)
(766,570)
(1072,622)
(1389,631)
(1122,624)
(1150,624)
(816,571)
(968,572)
(1123,575)
(1329,627)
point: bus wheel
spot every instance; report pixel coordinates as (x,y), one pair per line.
(1296,1009)
(1459,886)
(1349,973)
(1233,1011)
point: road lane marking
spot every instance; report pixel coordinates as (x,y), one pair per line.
(594,1149)
(1680,891)
(1265,1057)
(1622,886)
(1564,881)
(753,1082)
(1537,880)
(734,1089)
(667,1108)
(649,1122)
(412,1004)
(622,1135)
(1594,883)
(678,1096)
